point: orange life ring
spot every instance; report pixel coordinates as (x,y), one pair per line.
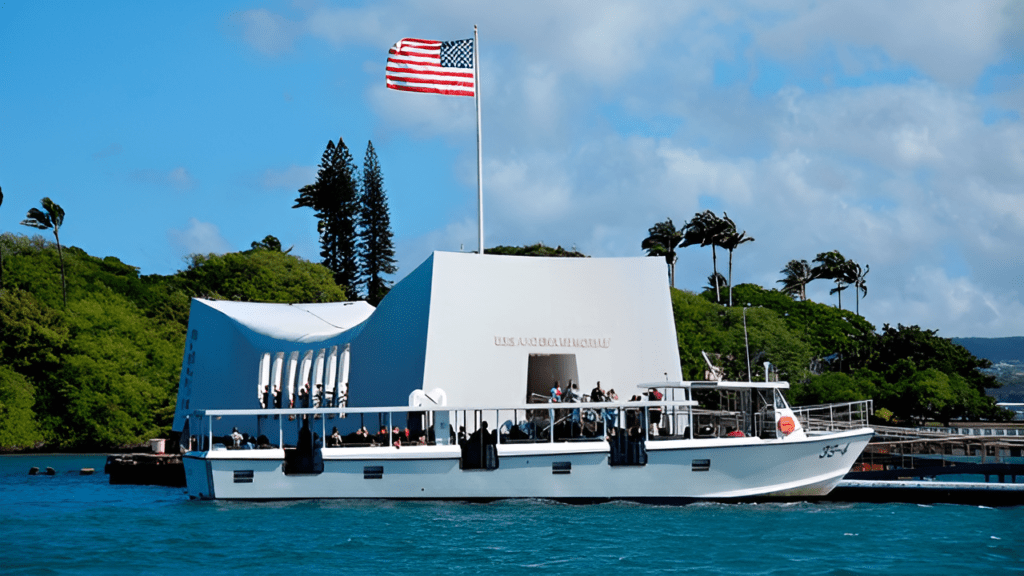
(786,425)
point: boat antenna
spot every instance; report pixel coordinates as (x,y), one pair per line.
(746,342)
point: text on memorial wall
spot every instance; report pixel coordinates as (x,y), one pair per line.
(552,342)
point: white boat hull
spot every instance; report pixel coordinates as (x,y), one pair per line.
(676,470)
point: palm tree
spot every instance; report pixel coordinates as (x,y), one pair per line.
(52,218)
(797,274)
(833,266)
(706,229)
(715,280)
(662,240)
(730,240)
(858,279)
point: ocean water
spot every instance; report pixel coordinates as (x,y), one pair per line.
(73,524)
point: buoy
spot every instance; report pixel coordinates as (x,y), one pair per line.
(50,471)
(86,472)
(33,471)
(786,425)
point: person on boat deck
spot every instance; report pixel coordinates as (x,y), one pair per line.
(382,436)
(335,437)
(612,396)
(597,395)
(236,438)
(556,392)
(572,392)
(396,437)
(247,441)
(462,435)
(481,435)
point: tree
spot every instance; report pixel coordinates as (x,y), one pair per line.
(730,239)
(858,279)
(706,229)
(797,274)
(376,248)
(662,240)
(833,266)
(715,279)
(269,243)
(537,250)
(335,199)
(52,218)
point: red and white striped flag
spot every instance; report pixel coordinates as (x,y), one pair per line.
(432,66)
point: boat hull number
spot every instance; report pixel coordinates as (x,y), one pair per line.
(832,450)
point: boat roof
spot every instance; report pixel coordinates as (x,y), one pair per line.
(706,384)
(374,410)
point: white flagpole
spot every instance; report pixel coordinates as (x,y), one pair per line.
(479,141)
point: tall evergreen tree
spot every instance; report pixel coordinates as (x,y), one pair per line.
(335,199)
(376,249)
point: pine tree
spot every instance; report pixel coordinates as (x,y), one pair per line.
(376,249)
(335,199)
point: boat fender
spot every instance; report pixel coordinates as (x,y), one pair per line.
(786,425)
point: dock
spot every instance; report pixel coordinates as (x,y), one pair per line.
(991,494)
(146,469)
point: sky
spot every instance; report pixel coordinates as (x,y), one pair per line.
(890,131)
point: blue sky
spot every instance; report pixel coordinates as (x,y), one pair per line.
(891,132)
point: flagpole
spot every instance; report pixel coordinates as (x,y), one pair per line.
(479,140)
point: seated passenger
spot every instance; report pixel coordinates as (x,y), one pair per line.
(236,438)
(335,438)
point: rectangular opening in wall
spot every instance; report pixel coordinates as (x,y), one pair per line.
(373,472)
(544,370)
(243,476)
(701,465)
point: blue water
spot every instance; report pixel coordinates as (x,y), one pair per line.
(73,524)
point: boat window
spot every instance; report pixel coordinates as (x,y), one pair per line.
(780,400)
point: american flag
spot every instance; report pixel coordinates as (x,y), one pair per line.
(432,66)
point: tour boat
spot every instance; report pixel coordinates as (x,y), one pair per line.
(681,442)
(466,339)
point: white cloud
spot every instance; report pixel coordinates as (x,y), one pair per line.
(906,176)
(197,238)
(949,40)
(928,293)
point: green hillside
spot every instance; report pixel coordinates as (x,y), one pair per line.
(102,371)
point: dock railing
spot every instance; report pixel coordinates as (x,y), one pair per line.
(834,417)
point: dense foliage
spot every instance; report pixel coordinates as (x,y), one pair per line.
(103,371)
(538,249)
(834,355)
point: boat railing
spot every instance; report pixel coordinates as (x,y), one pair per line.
(437,425)
(835,417)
